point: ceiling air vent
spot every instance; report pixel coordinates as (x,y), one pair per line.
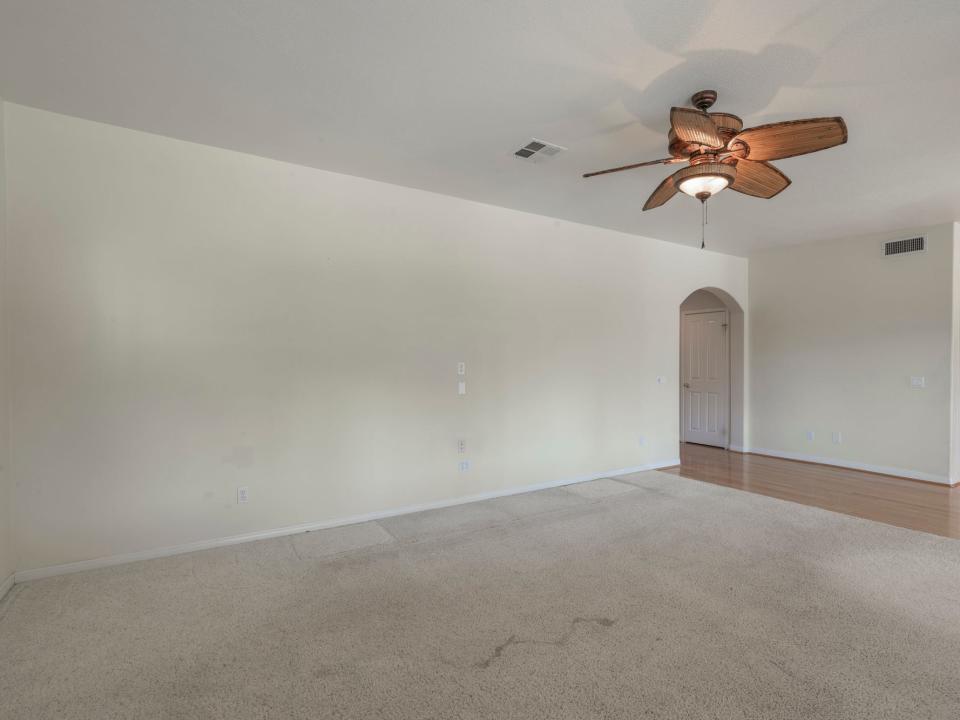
(901,247)
(538,150)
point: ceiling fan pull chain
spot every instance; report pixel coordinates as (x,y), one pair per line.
(703,225)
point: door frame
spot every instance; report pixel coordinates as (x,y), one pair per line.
(726,348)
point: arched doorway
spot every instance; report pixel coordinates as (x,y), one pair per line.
(712,369)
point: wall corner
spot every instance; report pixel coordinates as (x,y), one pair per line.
(954,474)
(7,540)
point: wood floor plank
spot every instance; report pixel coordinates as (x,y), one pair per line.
(896,501)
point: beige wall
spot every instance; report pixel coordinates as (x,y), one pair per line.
(837,330)
(7,555)
(190,320)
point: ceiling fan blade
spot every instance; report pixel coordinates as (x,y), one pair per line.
(786,139)
(665,190)
(694,126)
(760,179)
(665,161)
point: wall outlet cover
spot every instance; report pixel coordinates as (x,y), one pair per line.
(243,495)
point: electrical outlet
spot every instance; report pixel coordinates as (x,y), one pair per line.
(461,446)
(811,435)
(243,495)
(837,438)
(918,382)
(464,465)
(461,368)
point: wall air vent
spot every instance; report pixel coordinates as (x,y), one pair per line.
(536,150)
(901,247)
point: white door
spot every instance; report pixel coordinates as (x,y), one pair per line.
(705,376)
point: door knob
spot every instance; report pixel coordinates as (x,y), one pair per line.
(686,385)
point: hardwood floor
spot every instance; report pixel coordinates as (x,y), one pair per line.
(896,501)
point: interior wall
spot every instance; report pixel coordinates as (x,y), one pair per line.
(190,320)
(955,363)
(7,554)
(705,299)
(838,330)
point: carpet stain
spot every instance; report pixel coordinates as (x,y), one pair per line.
(559,642)
(498,651)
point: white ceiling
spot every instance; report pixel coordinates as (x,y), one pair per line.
(437,94)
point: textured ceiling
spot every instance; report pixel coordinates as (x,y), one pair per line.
(436,94)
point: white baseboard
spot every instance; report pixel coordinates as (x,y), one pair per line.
(102,562)
(852,465)
(5,586)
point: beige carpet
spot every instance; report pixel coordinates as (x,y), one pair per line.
(662,598)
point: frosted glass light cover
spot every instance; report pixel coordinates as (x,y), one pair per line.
(704,183)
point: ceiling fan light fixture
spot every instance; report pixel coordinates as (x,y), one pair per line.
(709,184)
(706,179)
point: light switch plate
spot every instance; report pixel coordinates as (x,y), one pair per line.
(461,388)
(243,494)
(461,368)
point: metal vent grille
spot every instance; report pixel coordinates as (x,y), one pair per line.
(538,149)
(900,247)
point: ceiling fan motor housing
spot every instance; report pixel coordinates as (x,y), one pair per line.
(728,126)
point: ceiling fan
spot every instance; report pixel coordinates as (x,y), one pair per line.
(719,153)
